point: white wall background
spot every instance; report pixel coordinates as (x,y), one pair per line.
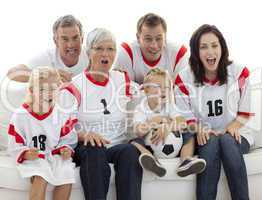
(26,26)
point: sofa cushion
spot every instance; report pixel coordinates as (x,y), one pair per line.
(11,179)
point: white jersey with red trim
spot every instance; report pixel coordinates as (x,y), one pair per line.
(102,105)
(49,133)
(212,104)
(144,113)
(130,59)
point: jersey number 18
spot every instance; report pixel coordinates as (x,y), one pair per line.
(39,142)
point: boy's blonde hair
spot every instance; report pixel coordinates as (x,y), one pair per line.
(39,76)
(156,72)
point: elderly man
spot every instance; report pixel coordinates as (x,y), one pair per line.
(68,57)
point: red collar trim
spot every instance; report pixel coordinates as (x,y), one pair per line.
(35,115)
(211,82)
(90,78)
(150,63)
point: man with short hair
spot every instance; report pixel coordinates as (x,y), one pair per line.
(150,50)
(68,57)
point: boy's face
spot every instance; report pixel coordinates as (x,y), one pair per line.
(158,89)
(45,95)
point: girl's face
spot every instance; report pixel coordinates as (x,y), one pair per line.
(102,56)
(44,95)
(158,90)
(210,52)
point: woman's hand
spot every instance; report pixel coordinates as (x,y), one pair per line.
(93,138)
(65,153)
(202,137)
(233,128)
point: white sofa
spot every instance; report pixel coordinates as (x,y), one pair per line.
(169,187)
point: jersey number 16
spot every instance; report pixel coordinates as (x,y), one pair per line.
(215,108)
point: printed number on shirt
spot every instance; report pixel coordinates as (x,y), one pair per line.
(215,108)
(39,142)
(106,112)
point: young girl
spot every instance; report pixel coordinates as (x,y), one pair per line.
(42,138)
(157,113)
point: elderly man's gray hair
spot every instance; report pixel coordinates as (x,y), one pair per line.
(67,21)
(98,35)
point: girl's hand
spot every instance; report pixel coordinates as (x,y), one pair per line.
(31,154)
(65,153)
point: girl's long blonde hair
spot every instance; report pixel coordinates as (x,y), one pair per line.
(39,76)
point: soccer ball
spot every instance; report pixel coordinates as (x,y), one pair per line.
(171,147)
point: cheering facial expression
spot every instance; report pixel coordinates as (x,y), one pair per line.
(210,52)
(44,93)
(158,90)
(102,56)
(68,41)
(152,41)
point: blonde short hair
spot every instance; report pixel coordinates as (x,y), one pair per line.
(156,72)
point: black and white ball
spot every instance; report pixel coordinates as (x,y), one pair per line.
(169,149)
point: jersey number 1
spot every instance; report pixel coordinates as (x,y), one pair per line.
(215,108)
(106,112)
(41,139)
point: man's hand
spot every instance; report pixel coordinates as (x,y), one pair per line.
(65,76)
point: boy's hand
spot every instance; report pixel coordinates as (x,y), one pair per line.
(160,133)
(31,154)
(178,124)
(157,120)
(65,153)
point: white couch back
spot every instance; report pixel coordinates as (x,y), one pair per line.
(11,96)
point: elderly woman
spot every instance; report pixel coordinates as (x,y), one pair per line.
(101,96)
(216,101)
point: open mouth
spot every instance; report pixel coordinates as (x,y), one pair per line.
(48,100)
(163,96)
(211,61)
(104,62)
(72,51)
(153,53)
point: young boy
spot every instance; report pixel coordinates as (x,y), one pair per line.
(42,138)
(157,113)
